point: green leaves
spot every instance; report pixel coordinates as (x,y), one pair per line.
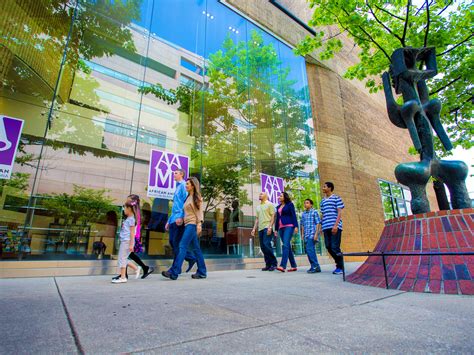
(333,46)
(18,181)
(84,205)
(378,27)
(249,118)
(167,96)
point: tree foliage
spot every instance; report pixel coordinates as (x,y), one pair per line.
(300,189)
(99,28)
(247,118)
(378,27)
(183,95)
(251,89)
(84,205)
(38,38)
(17,181)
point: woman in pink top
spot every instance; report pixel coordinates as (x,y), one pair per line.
(286,224)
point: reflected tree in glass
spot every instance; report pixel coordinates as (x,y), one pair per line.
(40,34)
(34,35)
(84,205)
(251,91)
(248,118)
(303,188)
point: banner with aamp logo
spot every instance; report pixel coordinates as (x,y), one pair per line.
(10,133)
(273,186)
(161,182)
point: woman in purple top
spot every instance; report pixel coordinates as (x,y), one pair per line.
(286,224)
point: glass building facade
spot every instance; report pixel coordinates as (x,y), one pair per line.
(101,83)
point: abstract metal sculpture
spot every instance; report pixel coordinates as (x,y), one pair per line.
(410,69)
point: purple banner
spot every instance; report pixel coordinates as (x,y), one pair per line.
(10,133)
(161,182)
(273,186)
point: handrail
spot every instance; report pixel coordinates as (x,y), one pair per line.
(385,254)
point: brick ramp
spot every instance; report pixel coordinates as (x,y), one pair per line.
(443,231)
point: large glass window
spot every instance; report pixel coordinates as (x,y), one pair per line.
(395,199)
(100,84)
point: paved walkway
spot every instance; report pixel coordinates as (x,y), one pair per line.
(233,312)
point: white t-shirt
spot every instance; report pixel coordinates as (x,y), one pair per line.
(125,231)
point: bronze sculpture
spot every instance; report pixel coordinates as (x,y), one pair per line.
(410,69)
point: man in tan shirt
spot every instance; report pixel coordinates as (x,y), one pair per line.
(265,217)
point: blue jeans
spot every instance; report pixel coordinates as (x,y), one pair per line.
(190,238)
(266,246)
(176,233)
(311,252)
(286,234)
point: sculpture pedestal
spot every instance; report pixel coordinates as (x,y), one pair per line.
(443,231)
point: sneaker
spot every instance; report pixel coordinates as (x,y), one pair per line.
(318,269)
(293,269)
(279,268)
(337,271)
(272,268)
(311,271)
(119,281)
(137,273)
(148,272)
(116,277)
(266,268)
(198,276)
(169,275)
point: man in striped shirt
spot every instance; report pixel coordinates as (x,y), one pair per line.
(331,209)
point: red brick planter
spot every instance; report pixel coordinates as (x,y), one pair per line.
(444,231)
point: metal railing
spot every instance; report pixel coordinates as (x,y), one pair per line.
(383,255)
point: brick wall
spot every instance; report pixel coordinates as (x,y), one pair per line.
(356,142)
(433,232)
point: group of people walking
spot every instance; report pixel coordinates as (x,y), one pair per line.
(185,225)
(283,221)
(130,243)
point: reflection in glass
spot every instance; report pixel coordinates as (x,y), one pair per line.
(402,210)
(136,76)
(385,187)
(396,199)
(397,191)
(388,207)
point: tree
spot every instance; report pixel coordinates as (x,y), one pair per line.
(89,29)
(19,181)
(84,205)
(247,119)
(99,28)
(378,27)
(300,189)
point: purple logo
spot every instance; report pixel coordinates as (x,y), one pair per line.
(160,175)
(273,186)
(10,133)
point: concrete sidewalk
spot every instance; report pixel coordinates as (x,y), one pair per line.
(234,312)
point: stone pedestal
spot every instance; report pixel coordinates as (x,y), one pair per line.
(443,231)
